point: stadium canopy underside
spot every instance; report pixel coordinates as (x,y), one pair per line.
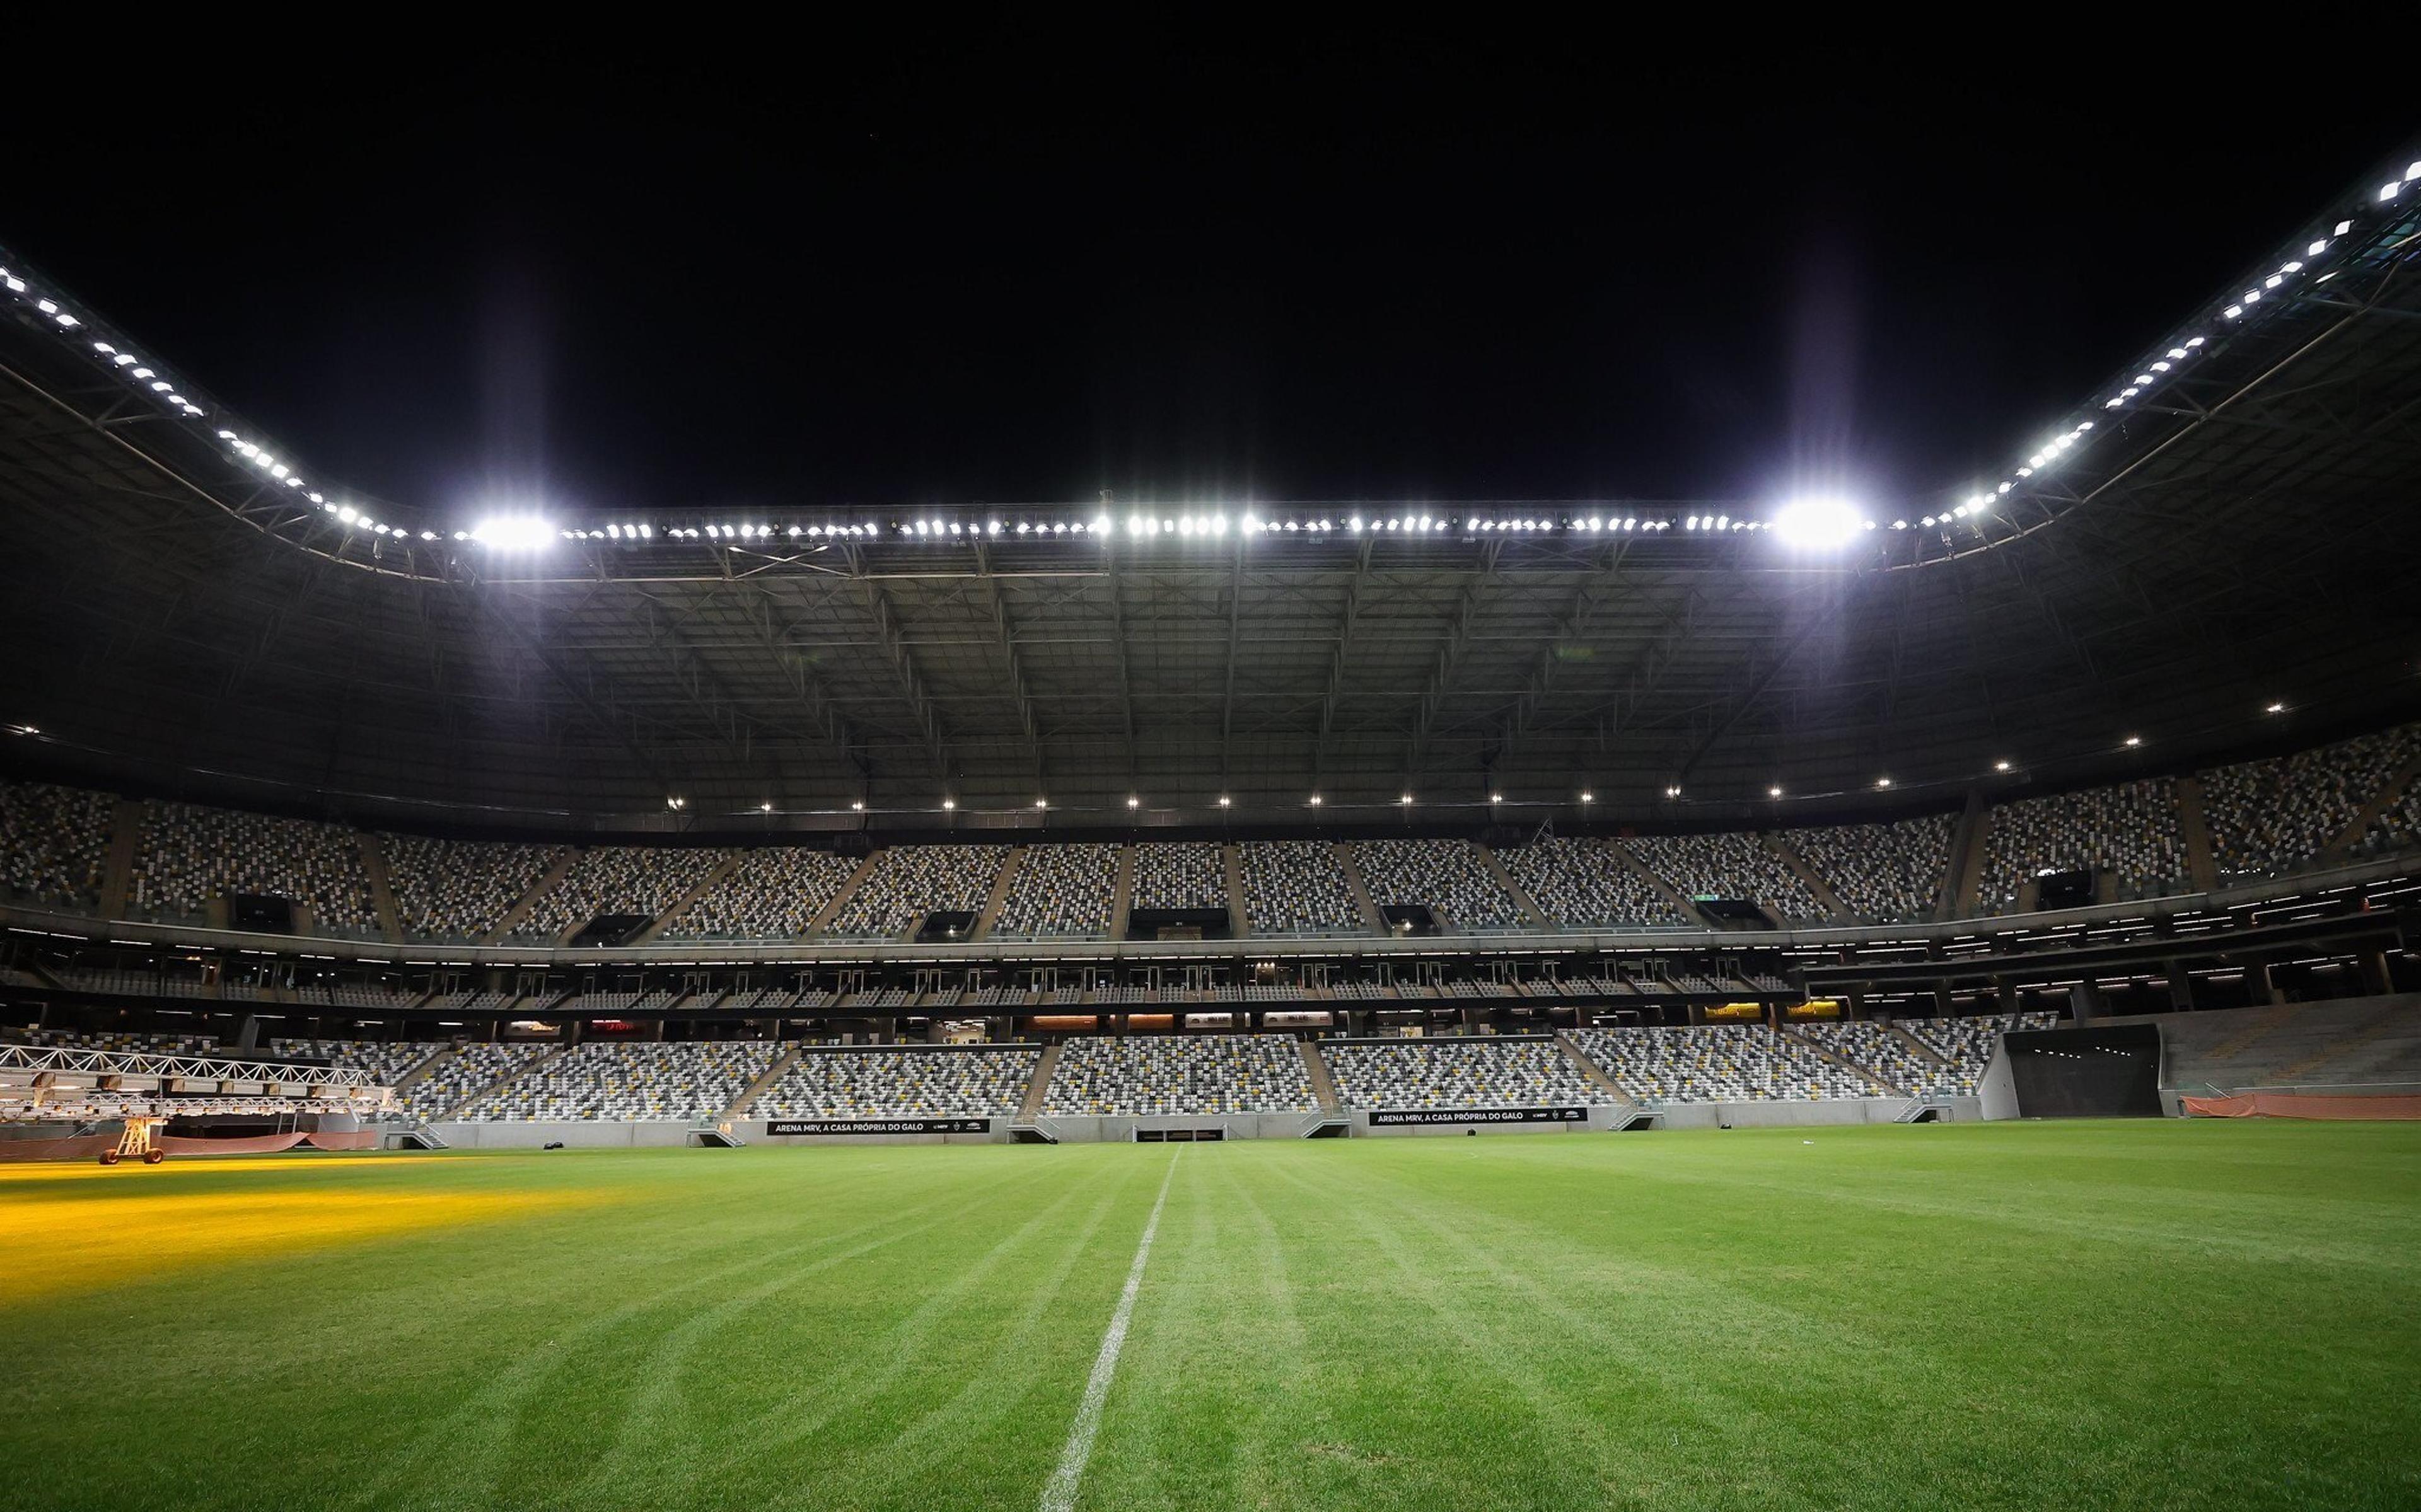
(2242,533)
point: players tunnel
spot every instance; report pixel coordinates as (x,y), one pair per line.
(2105,1071)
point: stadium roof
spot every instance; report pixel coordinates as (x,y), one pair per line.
(2225,526)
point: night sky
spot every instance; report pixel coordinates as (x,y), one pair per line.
(831,268)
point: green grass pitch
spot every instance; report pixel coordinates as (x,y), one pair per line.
(2090,1315)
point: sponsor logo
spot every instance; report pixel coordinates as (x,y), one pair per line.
(1381,1116)
(878,1125)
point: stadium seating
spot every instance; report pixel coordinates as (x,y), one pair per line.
(1185,874)
(1446,875)
(1457,1072)
(633,880)
(1180,1074)
(54,842)
(653,1082)
(387,1061)
(460,1076)
(1061,890)
(1581,885)
(1297,887)
(189,856)
(1881,873)
(770,894)
(2276,815)
(458,890)
(1967,1042)
(1718,1063)
(1732,865)
(2132,829)
(1874,1048)
(908,881)
(155,1044)
(902,1082)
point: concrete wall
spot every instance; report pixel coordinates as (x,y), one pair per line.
(1087,1129)
(1835,1112)
(514,1135)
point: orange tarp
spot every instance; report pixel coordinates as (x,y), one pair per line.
(2302,1105)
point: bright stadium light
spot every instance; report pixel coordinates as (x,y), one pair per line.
(513,533)
(1821,522)
(948,803)
(1134,802)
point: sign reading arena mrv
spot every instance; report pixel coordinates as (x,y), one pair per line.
(1381,1116)
(878,1125)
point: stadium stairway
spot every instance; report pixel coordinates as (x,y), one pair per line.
(998,899)
(1122,892)
(118,874)
(749,1094)
(1532,914)
(1914,1046)
(1594,1074)
(1324,1085)
(1372,919)
(1231,865)
(506,1079)
(420,1068)
(1964,880)
(1874,1078)
(1789,855)
(2201,866)
(1656,884)
(839,899)
(382,889)
(729,864)
(528,901)
(1031,1108)
(2389,793)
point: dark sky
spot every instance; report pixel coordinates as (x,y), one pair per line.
(1010,267)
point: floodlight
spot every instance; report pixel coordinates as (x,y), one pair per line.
(1588,797)
(1223,801)
(513,533)
(1821,522)
(1315,800)
(2275,709)
(1134,802)
(950,803)
(1773,792)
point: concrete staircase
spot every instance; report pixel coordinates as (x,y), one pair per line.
(1789,855)
(1532,914)
(506,1079)
(1031,1108)
(381,888)
(729,864)
(1661,888)
(2200,867)
(1914,1046)
(1232,860)
(1371,918)
(1324,1085)
(1593,1073)
(1122,892)
(1873,1077)
(1964,877)
(998,898)
(749,1094)
(117,872)
(2381,801)
(520,910)
(831,911)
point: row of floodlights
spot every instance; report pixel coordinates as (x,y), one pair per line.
(1820,521)
(1821,526)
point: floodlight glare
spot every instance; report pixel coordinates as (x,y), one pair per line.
(1821,522)
(513,533)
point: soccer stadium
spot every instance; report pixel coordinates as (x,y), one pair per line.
(1181,999)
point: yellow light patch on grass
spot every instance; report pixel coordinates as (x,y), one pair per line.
(55,1241)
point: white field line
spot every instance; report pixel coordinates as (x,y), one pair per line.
(1060,1494)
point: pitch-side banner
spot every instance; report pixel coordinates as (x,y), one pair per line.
(1381,1117)
(879,1126)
